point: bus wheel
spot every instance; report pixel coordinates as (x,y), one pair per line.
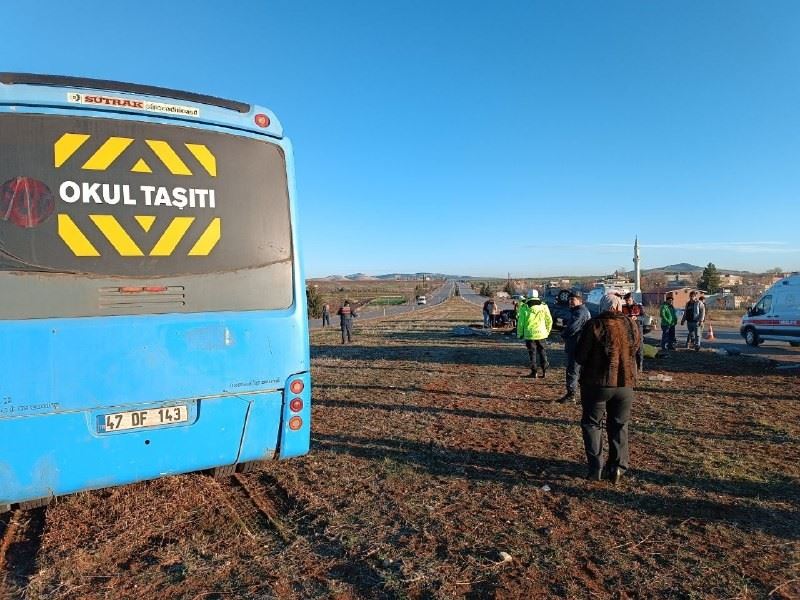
(31,504)
(223,472)
(751,337)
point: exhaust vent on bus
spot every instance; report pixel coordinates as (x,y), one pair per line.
(148,298)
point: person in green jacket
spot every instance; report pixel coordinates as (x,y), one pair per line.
(533,325)
(668,321)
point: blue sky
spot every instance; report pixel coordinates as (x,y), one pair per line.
(483,138)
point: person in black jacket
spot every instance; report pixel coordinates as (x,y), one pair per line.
(579,316)
(346,315)
(607,354)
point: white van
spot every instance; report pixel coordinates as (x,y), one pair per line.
(776,315)
(421,300)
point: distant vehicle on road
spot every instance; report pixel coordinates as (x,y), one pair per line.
(776,315)
(421,300)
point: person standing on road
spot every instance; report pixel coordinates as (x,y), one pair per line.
(579,316)
(346,316)
(534,325)
(495,313)
(607,355)
(326,315)
(487,314)
(636,312)
(693,315)
(669,319)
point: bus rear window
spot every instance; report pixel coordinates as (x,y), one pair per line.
(120,198)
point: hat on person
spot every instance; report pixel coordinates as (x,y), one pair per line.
(534,294)
(610,302)
(576,294)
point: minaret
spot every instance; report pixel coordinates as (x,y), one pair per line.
(637,274)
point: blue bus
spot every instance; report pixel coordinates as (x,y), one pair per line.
(153,317)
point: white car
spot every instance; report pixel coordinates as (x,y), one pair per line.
(421,300)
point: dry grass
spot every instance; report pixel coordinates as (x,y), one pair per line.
(428,471)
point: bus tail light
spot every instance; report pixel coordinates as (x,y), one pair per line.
(296,405)
(296,386)
(295,423)
(262,120)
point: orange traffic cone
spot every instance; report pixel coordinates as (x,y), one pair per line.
(710,332)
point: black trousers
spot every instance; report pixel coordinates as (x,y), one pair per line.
(573,370)
(616,403)
(347,330)
(541,353)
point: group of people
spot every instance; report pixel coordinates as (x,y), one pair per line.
(604,358)
(694,316)
(346,315)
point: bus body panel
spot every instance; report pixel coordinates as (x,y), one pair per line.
(56,454)
(61,365)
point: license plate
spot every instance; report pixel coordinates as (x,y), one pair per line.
(140,419)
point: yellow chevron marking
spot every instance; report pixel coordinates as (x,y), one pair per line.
(204,157)
(119,238)
(168,156)
(74,238)
(208,240)
(107,153)
(146,221)
(141,167)
(66,146)
(170,238)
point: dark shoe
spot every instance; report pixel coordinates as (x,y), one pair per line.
(567,398)
(595,475)
(532,374)
(615,476)
(544,372)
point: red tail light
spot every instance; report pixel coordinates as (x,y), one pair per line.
(295,423)
(296,386)
(262,120)
(296,405)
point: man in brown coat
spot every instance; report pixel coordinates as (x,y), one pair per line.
(607,354)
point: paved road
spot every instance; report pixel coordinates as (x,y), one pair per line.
(436,297)
(729,337)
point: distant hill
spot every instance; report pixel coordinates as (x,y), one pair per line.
(390,277)
(690,268)
(676,268)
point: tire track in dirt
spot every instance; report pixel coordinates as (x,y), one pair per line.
(259,500)
(20,539)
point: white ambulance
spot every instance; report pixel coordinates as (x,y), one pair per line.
(776,315)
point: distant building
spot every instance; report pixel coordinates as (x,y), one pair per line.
(680,295)
(750,291)
(725,301)
(729,280)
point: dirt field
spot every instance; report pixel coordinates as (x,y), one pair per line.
(437,471)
